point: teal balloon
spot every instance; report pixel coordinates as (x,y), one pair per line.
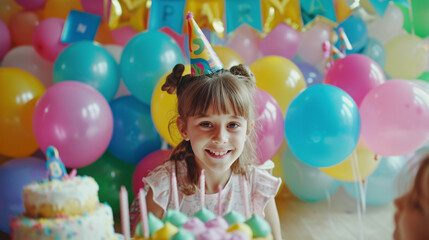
(90,63)
(357,33)
(110,173)
(375,50)
(145,59)
(322,125)
(306,182)
(387,182)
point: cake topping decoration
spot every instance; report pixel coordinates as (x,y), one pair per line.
(55,166)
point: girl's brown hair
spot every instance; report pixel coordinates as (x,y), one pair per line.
(195,95)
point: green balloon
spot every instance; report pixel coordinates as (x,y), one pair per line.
(424,77)
(420,17)
(111,173)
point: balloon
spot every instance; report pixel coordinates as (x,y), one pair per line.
(116,52)
(306,182)
(164,111)
(134,135)
(282,41)
(123,35)
(22,25)
(385,183)
(387,27)
(406,57)
(416,24)
(395,118)
(14,175)
(60,8)
(31,4)
(227,56)
(352,171)
(245,42)
(89,63)
(47,38)
(110,174)
(76,119)
(325,119)
(310,49)
(424,77)
(356,74)
(280,77)
(145,59)
(269,125)
(312,75)
(356,31)
(5,40)
(147,164)
(8,9)
(97,7)
(375,50)
(26,58)
(19,91)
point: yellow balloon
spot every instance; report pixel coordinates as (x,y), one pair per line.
(227,56)
(406,57)
(279,77)
(366,164)
(164,111)
(60,8)
(19,91)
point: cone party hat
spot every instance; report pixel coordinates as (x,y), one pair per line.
(203,58)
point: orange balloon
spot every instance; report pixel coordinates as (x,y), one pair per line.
(164,110)
(19,92)
(8,9)
(22,25)
(60,8)
(104,36)
(228,56)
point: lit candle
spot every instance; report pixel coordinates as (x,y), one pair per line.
(202,188)
(174,190)
(125,215)
(143,212)
(245,197)
(219,209)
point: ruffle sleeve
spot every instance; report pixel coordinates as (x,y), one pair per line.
(264,187)
(159,181)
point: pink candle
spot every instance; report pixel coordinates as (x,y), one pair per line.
(245,197)
(125,215)
(174,190)
(219,208)
(202,188)
(143,212)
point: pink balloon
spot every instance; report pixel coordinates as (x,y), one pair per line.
(5,39)
(269,125)
(123,34)
(76,119)
(356,74)
(395,118)
(245,42)
(31,4)
(97,7)
(310,49)
(282,41)
(147,164)
(47,38)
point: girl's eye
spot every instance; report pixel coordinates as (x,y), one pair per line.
(205,124)
(233,125)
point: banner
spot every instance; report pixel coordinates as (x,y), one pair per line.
(208,14)
(167,13)
(239,12)
(314,9)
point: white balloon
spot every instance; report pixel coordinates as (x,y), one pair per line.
(387,27)
(26,58)
(116,51)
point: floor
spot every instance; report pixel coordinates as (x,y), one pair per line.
(337,218)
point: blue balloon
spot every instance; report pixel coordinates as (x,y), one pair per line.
(387,182)
(311,74)
(306,182)
(375,50)
(14,175)
(322,125)
(356,31)
(90,63)
(134,134)
(146,58)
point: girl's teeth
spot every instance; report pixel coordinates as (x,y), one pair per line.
(218,153)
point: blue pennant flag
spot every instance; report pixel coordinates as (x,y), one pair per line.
(80,26)
(381,5)
(310,9)
(167,13)
(239,12)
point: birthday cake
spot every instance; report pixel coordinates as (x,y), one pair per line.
(63,207)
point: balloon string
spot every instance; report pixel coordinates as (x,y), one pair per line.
(358,186)
(410,12)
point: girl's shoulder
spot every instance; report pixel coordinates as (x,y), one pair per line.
(262,181)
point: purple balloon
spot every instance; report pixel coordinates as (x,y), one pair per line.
(311,74)
(5,40)
(269,125)
(31,4)
(76,119)
(282,41)
(14,175)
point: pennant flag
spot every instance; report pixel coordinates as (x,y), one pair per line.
(239,12)
(277,11)
(167,13)
(318,10)
(208,14)
(80,26)
(381,5)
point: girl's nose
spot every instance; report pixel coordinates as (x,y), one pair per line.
(220,136)
(399,202)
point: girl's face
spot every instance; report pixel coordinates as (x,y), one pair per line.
(216,139)
(412,215)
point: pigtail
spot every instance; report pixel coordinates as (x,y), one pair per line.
(173,79)
(244,71)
